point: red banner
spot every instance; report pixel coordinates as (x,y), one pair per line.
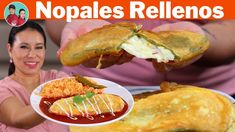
(123,9)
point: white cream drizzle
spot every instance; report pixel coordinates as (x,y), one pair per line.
(73,117)
(111,105)
(63,109)
(47,103)
(106,105)
(87,114)
(98,111)
(79,109)
(70,109)
(98,108)
(92,106)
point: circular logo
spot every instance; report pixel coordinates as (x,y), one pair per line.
(16,14)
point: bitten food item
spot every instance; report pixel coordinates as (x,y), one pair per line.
(183,108)
(87,106)
(170,47)
(67,87)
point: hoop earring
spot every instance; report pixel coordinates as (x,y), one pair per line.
(11,61)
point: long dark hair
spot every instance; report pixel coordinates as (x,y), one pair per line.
(15,30)
(20,11)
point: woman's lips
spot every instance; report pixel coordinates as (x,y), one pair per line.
(31,65)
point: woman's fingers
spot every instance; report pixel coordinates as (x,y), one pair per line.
(76,28)
(187,26)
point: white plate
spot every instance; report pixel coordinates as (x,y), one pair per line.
(112,88)
(142,89)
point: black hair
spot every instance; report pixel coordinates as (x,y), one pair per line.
(15,30)
(11,6)
(20,11)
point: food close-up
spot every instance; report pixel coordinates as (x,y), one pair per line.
(174,48)
(176,108)
(117,66)
(80,100)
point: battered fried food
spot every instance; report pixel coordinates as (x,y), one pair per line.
(98,104)
(182,108)
(170,47)
(98,42)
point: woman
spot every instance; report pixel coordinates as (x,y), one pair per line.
(21,17)
(26,47)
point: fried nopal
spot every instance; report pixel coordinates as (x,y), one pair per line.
(97,104)
(186,108)
(185,45)
(181,46)
(101,41)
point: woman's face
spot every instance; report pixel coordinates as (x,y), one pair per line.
(28,52)
(22,14)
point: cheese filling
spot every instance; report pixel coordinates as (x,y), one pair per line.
(141,48)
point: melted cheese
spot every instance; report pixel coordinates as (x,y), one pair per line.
(141,48)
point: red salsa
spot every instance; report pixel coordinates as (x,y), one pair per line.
(79,119)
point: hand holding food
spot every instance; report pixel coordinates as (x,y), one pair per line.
(175,48)
(76,28)
(179,26)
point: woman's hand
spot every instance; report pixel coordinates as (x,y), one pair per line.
(76,28)
(187,26)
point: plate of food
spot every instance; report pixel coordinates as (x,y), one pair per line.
(81,101)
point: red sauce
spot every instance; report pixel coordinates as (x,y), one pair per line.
(81,120)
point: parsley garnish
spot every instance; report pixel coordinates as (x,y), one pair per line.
(89,94)
(79,98)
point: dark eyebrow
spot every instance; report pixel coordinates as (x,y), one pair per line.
(24,43)
(39,44)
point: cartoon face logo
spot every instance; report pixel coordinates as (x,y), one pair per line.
(16,14)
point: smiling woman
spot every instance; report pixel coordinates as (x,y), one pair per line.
(26,47)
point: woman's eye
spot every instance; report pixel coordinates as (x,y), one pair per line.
(23,47)
(40,47)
